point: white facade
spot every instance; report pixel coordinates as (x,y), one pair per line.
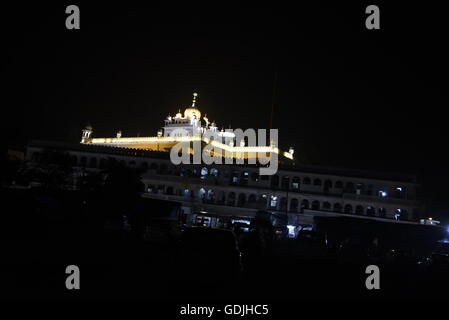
(237,189)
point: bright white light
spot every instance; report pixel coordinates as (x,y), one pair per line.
(291,231)
(383,193)
(399,188)
(241,221)
(274,201)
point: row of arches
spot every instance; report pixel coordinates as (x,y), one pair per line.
(241,177)
(263,201)
(294,182)
(103,163)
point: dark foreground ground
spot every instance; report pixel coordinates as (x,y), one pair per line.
(38,244)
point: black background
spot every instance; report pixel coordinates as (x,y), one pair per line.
(345,96)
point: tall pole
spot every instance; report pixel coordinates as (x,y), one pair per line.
(273,98)
(273,102)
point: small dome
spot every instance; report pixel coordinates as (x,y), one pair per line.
(190,112)
(88,127)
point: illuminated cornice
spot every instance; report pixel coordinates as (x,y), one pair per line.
(237,150)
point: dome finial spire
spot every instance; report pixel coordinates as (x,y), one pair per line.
(194,99)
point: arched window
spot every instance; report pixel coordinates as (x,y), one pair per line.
(328,184)
(210,196)
(305,204)
(231,199)
(294,205)
(285,182)
(214,172)
(273,202)
(370,211)
(315,205)
(204,171)
(262,199)
(244,177)
(295,183)
(359,209)
(360,187)
(235,177)
(202,193)
(306,180)
(400,214)
(348,208)
(317,182)
(252,198)
(339,185)
(349,187)
(326,206)
(83,162)
(337,207)
(283,205)
(169,190)
(241,200)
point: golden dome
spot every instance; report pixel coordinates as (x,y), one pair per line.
(190,112)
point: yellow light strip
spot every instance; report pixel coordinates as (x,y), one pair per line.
(248,149)
(143,139)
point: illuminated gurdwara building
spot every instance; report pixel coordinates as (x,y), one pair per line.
(236,189)
(190,127)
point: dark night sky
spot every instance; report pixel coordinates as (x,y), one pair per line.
(346,96)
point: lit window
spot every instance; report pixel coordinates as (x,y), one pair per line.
(291,231)
(274,201)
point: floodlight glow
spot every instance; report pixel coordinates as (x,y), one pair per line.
(291,230)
